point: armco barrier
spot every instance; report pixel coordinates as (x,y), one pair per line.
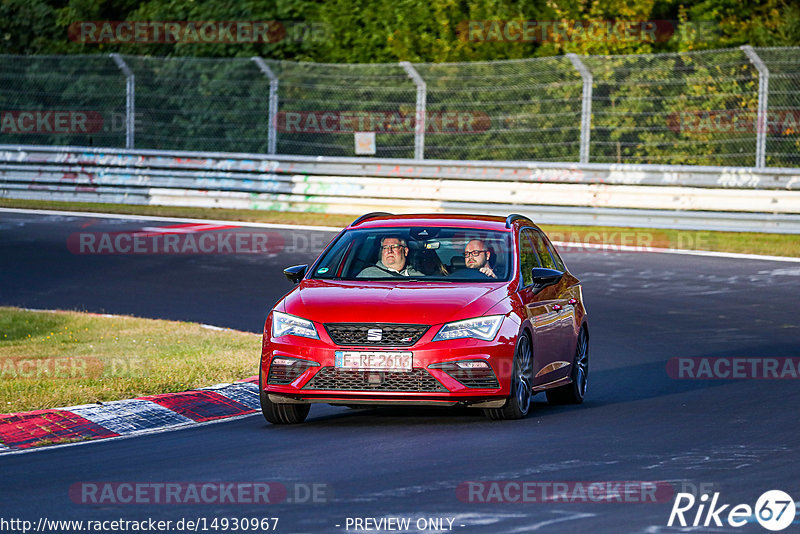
(681,197)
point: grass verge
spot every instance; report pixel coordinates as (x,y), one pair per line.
(740,242)
(55,359)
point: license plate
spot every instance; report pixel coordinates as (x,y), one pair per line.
(373,361)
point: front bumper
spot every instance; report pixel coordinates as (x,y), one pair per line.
(427,383)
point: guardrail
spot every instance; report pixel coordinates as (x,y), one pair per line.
(668,196)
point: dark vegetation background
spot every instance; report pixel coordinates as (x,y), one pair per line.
(195,96)
(369,31)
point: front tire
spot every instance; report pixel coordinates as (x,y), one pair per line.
(575,391)
(519,403)
(278,413)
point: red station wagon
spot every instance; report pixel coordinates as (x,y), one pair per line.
(441,310)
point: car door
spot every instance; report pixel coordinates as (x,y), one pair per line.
(548,309)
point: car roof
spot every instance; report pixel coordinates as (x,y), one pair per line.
(481,222)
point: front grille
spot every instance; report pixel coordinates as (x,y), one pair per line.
(395,335)
(331,378)
(475,378)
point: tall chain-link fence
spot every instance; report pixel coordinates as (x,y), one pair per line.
(733,107)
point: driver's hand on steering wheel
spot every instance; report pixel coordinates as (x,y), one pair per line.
(488,271)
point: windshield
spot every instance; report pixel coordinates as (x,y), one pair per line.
(422,253)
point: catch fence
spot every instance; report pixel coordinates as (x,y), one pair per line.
(735,107)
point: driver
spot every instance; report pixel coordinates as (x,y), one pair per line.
(476,256)
(393,261)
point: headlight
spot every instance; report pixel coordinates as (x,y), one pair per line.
(284,324)
(484,328)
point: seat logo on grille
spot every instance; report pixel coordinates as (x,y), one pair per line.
(374,334)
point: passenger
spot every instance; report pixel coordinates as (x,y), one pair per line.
(430,264)
(393,261)
(477,256)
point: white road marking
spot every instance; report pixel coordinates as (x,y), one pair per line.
(99,215)
(708,253)
(731,255)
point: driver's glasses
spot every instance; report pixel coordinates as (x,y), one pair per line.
(392,248)
(473,253)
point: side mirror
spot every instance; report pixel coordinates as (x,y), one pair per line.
(545,277)
(295,273)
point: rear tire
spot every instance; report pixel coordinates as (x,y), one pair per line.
(575,391)
(279,413)
(519,403)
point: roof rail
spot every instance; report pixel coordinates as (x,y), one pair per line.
(513,217)
(369,216)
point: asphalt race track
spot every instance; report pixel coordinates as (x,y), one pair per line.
(736,437)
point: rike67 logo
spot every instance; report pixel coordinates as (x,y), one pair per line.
(774,510)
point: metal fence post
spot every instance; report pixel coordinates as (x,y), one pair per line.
(586,106)
(422,97)
(272,113)
(130,96)
(763,94)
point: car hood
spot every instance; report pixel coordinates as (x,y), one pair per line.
(391,302)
